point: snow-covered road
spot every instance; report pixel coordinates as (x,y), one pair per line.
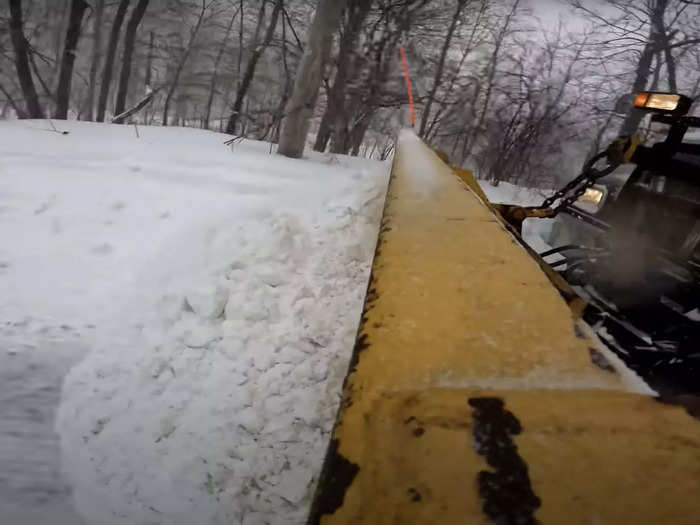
(209,299)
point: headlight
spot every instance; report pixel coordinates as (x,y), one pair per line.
(592,200)
(592,196)
(662,102)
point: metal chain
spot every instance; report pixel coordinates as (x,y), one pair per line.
(563,191)
(578,186)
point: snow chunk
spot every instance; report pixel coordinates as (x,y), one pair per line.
(207,301)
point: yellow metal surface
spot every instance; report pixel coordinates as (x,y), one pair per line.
(458,309)
(594,457)
(457,301)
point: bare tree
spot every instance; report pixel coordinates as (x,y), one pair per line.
(24,74)
(500,36)
(183,60)
(447,102)
(534,105)
(75,20)
(637,32)
(217,62)
(106,81)
(356,13)
(129,39)
(370,91)
(440,67)
(96,55)
(11,101)
(252,64)
(274,120)
(308,78)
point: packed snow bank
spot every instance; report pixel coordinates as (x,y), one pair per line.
(219,293)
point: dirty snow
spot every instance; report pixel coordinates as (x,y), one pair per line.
(207,299)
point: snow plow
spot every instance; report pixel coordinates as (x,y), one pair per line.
(481,387)
(636,257)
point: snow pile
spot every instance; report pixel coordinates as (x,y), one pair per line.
(223,290)
(508,193)
(536,232)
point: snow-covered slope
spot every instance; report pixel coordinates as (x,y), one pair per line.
(217,292)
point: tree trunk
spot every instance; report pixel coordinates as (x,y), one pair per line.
(323,135)
(635,116)
(149,62)
(657,74)
(148,73)
(96,53)
(657,40)
(24,74)
(42,83)
(65,77)
(215,74)
(11,101)
(395,23)
(356,110)
(106,81)
(59,19)
(250,68)
(358,136)
(440,67)
(287,89)
(308,78)
(664,41)
(239,58)
(181,64)
(273,125)
(129,38)
(671,70)
(357,12)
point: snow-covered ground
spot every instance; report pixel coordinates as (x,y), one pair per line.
(207,299)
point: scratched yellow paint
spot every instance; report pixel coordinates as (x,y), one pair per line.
(609,457)
(440,466)
(594,457)
(458,309)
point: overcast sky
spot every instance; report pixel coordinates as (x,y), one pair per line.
(550,11)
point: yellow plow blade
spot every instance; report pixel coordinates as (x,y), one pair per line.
(472,395)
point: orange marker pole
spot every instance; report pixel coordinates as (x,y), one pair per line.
(408,85)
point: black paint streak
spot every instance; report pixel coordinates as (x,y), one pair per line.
(506,493)
(414,495)
(336,476)
(361,344)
